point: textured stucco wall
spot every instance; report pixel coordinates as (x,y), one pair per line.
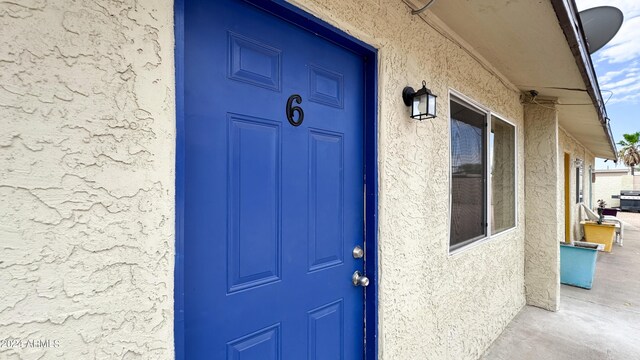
(608,184)
(576,150)
(431,305)
(87,178)
(543,198)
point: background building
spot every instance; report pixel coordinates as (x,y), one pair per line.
(609,183)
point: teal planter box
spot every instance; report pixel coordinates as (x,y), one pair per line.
(577,265)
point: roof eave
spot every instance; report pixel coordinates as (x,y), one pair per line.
(569,20)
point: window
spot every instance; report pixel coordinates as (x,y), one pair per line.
(579,181)
(468,173)
(591,181)
(503,175)
(482,158)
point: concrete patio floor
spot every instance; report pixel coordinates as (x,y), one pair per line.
(600,324)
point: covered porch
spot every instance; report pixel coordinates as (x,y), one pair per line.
(601,323)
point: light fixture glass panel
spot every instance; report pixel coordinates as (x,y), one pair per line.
(432,105)
(415,110)
(423,104)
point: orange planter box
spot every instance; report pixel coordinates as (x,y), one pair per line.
(601,234)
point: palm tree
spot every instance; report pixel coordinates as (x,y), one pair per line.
(630,152)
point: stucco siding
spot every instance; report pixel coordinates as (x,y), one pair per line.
(87,173)
(87,178)
(576,150)
(543,198)
(546,144)
(431,305)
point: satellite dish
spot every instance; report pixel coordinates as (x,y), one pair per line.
(600,25)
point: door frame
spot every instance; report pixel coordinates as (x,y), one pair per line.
(297,16)
(567,197)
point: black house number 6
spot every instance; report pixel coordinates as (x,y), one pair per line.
(291,110)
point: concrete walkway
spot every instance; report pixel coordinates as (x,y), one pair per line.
(600,324)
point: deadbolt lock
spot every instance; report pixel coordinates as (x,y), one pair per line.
(358,253)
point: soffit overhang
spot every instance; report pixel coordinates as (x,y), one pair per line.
(537,45)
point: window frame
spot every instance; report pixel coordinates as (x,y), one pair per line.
(466,101)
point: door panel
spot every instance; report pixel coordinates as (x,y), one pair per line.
(254,166)
(272,211)
(326,332)
(326,188)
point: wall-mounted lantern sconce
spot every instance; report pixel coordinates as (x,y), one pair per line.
(422,102)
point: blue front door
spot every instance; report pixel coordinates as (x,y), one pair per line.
(274,198)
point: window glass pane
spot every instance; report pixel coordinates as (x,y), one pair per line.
(579,182)
(503,183)
(468,193)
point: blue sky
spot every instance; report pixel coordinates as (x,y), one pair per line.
(618,69)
